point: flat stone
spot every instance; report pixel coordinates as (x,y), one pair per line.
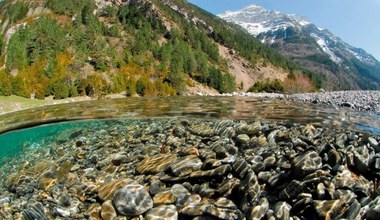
(167,212)
(292,190)
(321,191)
(228,187)
(374,143)
(264,176)
(251,129)
(302,206)
(306,163)
(34,211)
(269,162)
(156,186)
(225,203)
(344,180)
(329,209)
(363,187)
(156,164)
(376,163)
(181,194)
(132,199)
(201,130)
(260,141)
(353,210)
(241,167)
(185,165)
(108,212)
(219,171)
(211,164)
(243,140)
(250,186)
(341,140)
(282,210)
(206,191)
(278,179)
(165,197)
(222,213)
(229,132)
(107,190)
(119,159)
(334,158)
(205,154)
(361,159)
(345,195)
(195,209)
(259,211)
(63,212)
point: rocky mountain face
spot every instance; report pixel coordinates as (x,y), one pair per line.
(341,65)
(145,47)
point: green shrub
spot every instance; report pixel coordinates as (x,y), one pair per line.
(20,87)
(5,84)
(269,86)
(131,86)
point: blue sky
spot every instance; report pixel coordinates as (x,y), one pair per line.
(355,21)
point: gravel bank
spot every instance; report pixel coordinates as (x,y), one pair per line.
(358,100)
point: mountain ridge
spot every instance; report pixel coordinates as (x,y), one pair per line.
(312,47)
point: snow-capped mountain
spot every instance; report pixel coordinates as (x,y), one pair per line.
(312,47)
(258,20)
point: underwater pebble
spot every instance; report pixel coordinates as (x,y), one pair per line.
(132,199)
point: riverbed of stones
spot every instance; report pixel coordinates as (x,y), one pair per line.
(195,169)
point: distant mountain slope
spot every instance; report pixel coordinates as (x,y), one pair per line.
(342,65)
(65,48)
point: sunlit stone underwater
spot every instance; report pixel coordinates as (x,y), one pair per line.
(192,158)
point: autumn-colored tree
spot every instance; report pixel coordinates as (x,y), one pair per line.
(164,89)
(36,77)
(298,84)
(20,87)
(5,83)
(96,85)
(130,88)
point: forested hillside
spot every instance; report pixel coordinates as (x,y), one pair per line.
(66,48)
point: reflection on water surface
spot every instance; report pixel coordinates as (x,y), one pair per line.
(194,107)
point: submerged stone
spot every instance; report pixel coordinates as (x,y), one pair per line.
(156,164)
(167,212)
(34,211)
(165,197)
(132,199)
(282,210)
(306,163)
(329,209)
(107,190)
(219,171)
(185,165)
(108,212)
(259,211)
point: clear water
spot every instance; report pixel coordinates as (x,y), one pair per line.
(44,126)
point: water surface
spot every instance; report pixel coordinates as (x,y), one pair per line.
(33,127)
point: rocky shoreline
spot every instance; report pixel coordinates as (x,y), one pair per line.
(195,169)
(357,100)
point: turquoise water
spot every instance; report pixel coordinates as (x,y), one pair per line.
(13,143)
(44,126)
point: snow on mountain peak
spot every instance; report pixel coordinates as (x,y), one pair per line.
(257,19)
